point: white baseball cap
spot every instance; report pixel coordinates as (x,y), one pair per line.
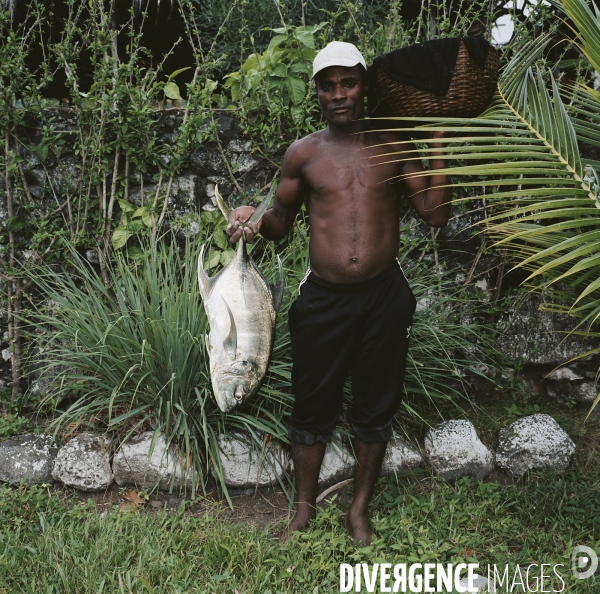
(337,53)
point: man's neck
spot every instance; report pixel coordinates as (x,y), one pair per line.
(347,133)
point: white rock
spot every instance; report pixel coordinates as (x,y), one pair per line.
(92,256)
(563,373)
(536,441)
(338,464)
(244,163)
(134,465)
(244,466)
(482,285)
(586,392)
(531,333)
(84,463)
(480,584)
(239,146)
(400,457)
(27,457)
(455,450)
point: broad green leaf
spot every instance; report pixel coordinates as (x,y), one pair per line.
(40,151)
(308,54)
(221,240)
(177,72)
(15,224)
(226,257)
(126,206)
(231,79)
(135,226)
(171,90)
(297,112)
(140,211)
(296,88)
(279,70)
(136,254)
(303,67)
(234,88)
(305,37)
(213,259)
(274,83)
(276,41)
(149,218)
(120,237)
(250,64)
(314,28)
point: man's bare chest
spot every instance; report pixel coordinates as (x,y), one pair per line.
(350,171)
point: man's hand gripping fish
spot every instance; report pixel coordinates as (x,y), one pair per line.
(241,307)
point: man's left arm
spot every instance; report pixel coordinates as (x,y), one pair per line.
(430,194)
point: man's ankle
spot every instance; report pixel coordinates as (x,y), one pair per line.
(304,509)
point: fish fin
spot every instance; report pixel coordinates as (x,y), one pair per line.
(260,210)
(204,281)
(277,290)
(230,341)
(221,203)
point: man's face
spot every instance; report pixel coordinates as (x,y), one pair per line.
(341,92)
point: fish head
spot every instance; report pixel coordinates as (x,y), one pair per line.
(233,382)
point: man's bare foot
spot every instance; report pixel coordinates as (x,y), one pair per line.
(299,522)
(359,527)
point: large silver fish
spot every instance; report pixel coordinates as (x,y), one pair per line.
(241,307)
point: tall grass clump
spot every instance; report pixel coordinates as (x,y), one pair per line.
(131,356)
(448,346)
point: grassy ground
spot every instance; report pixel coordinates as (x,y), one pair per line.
(47,547)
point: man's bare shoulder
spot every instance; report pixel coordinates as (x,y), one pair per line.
(302,149)
(387,138)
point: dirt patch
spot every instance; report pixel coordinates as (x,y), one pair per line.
(257,507)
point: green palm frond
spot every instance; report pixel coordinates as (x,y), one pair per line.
(583,106)
(586,26)
(523,151)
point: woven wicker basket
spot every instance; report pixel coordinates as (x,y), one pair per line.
(469,94)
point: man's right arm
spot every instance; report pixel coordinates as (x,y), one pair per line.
(278,220)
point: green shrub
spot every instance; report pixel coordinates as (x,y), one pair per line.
(11,425)
(277,80)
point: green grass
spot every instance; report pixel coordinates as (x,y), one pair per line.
(421,519)
(47,547)
(51,545)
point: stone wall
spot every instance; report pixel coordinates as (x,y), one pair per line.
(532,341)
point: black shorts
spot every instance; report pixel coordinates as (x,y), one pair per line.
(359,329)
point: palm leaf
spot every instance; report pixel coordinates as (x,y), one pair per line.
(586,26)
(523,151)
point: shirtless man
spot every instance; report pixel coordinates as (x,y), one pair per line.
(354,311)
